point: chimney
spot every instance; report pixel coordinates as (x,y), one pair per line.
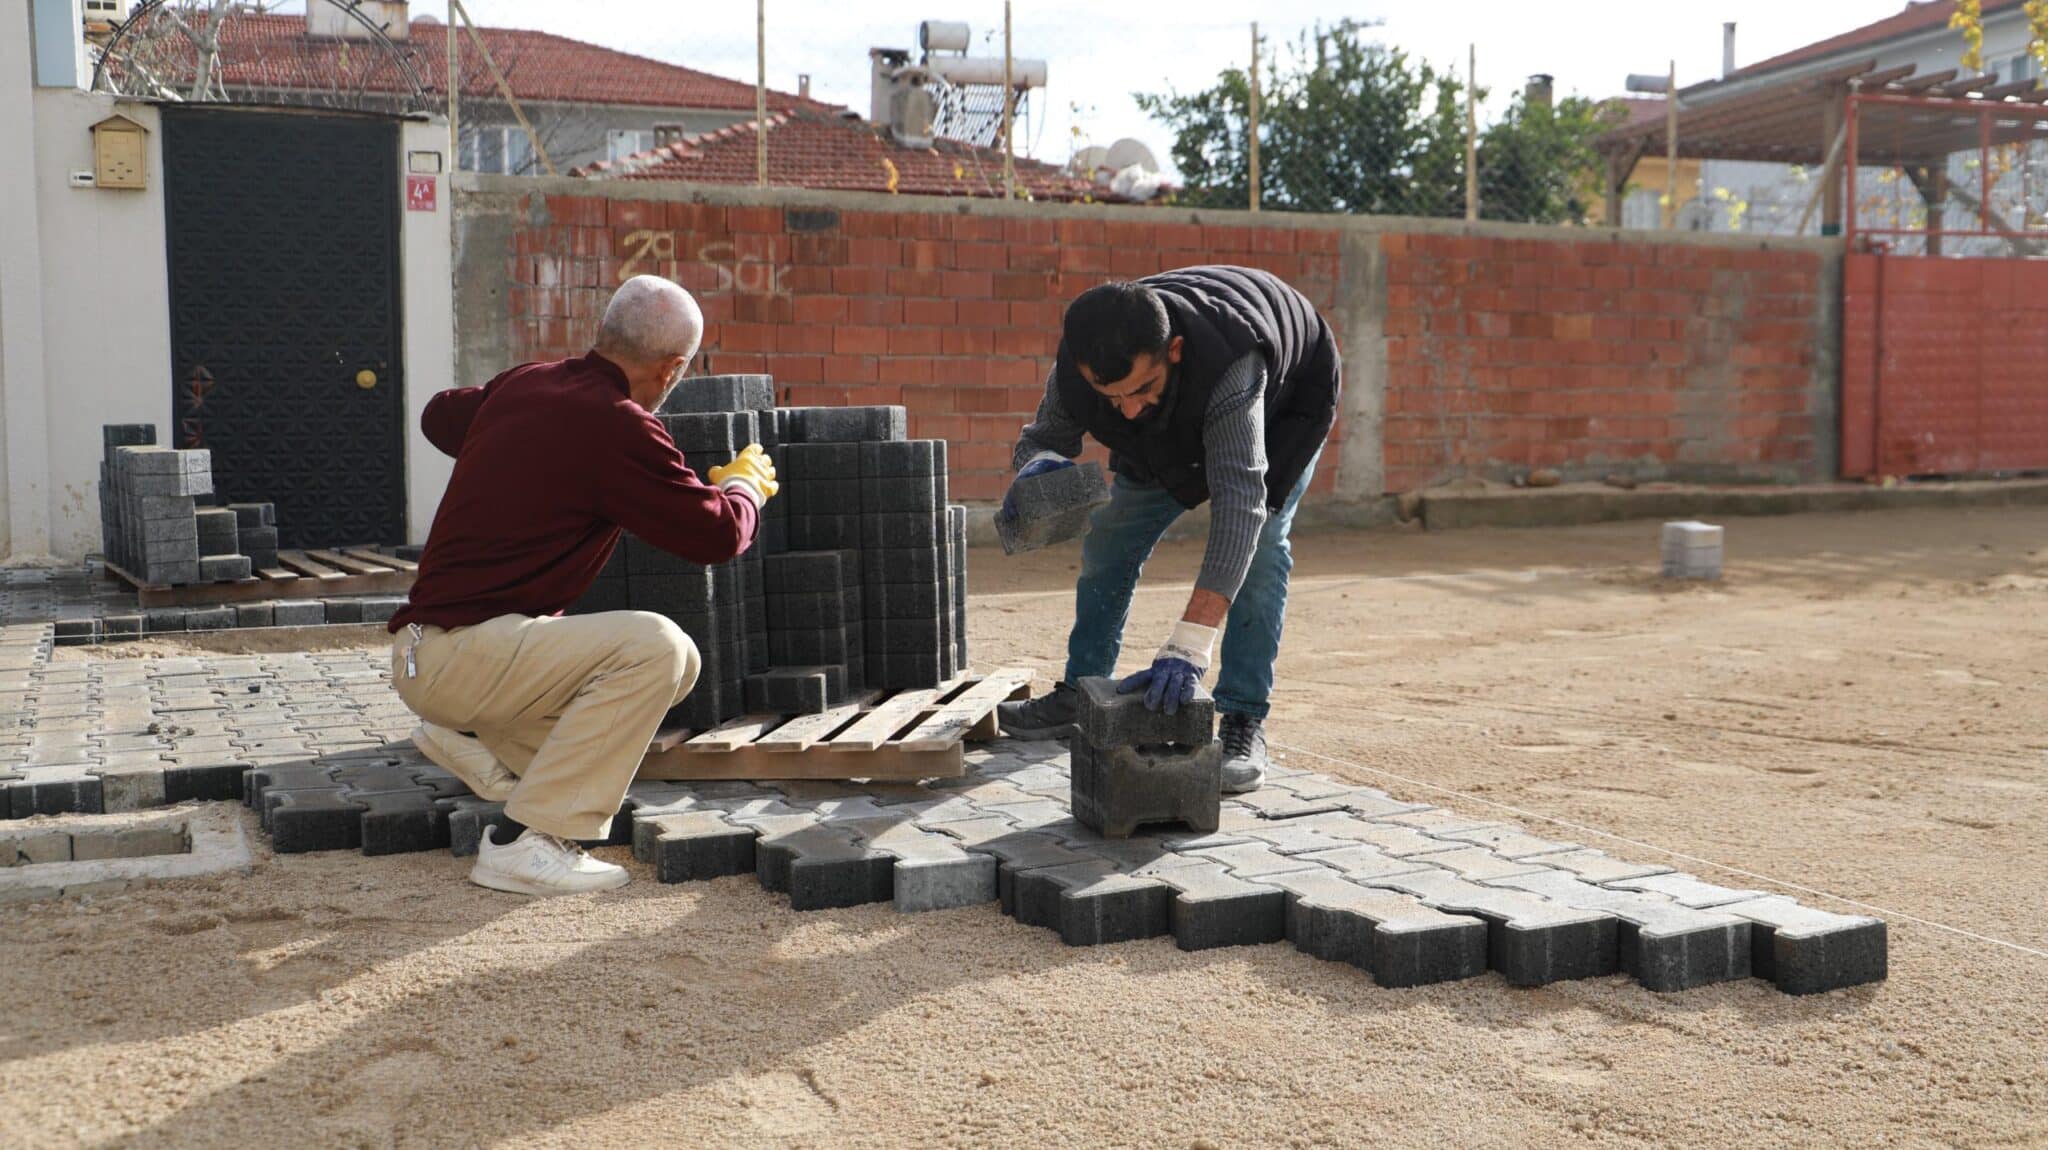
(882,65)
(1727,49)
(390,16)
(1536,93)
(803,85)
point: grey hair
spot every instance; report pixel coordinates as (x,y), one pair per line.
(649,320)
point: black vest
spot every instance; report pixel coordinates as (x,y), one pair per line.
(1221,313)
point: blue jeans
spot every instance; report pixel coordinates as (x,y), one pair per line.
(1121,536)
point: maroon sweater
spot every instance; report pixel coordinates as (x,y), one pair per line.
(551,460)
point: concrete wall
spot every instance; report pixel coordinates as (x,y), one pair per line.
(426,254)
(106,317)
(85,314)
(1480,349)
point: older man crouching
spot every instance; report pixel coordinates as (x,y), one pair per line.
(551,461)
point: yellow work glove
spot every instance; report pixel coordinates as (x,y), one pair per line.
(751,473)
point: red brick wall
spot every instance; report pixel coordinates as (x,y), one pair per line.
(1507,354)
(1500,353)
(956,317)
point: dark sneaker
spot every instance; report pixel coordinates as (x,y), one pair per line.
(1046,717)
(1244,753)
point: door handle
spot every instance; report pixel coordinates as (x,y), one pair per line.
(366,379)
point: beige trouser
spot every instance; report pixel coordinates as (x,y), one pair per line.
(567,704)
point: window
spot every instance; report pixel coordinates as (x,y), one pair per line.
(2020,67)
(500,151)
(622,142)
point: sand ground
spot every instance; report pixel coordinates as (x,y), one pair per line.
(1861,709)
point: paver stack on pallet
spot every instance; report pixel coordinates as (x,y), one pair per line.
(151,521)
(856,582)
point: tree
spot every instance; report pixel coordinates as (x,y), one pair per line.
(1345,125)
(1352,125)
(1538,164)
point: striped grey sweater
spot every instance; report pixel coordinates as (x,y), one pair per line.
(1234,450)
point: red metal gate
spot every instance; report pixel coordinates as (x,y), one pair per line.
(1944,365)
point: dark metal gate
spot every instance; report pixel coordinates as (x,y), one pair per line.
(285,341)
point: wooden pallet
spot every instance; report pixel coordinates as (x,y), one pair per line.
(309,574)
(916,734)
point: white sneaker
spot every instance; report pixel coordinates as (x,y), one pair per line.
(539,863)
(465,757)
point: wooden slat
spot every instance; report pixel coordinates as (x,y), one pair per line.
(297,561)
(800,733)
(952,721)
(347,563)
(751,762)
(733,734)
(380,557)
(879,725)
(669,738)
(277,575)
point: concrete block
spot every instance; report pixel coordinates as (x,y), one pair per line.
(800,462)
(301,820)
(1212,908)
(36,849)
(148,460)
(902,459)
(906,601)
(210,619)
(1806,951)
(1115,790)
(178,483)
(56,796)
(821,867)
(131,842)
(694,393)
(212,782)
(1664,945)
(1052,507)
(262,614)
(911,495)
(299,612)
(905,636)
(850,424)
(790,690)
(75,632)
(808,611)
(131,788)
(677,594)
(1392,935)
(824,532)
(1091,902)
(255,516)
(223,568)
(802,572)
(813,647)
(897,671)
(1108,719)
(1531,941)
(118,627)
(694,845)
(897,531)
(908,566)
(716,434)
(163,620)
(380,608)
(1692,550)
(823,497)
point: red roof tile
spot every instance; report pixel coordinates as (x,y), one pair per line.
(844,154)
(1925,16)
(274,53)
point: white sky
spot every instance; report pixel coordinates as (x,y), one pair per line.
(1099,52)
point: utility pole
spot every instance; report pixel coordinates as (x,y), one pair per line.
(761,92)
(1252,120)
(1671,148)
(1009,112)
(454,97)
(1471,132)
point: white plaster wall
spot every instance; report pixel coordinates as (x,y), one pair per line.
(105,303)
(21,319)
(428,297)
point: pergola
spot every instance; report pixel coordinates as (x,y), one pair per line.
(1814,121)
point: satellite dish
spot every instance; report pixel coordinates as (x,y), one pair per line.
(423,19)
(1126,152)
(1088,161)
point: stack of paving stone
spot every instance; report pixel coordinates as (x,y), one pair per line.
(857,579)
(1692,550)
(1133,765)
(151,524)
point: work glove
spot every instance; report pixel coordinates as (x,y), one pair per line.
(751,473)
(1169,683)
(1045,462)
